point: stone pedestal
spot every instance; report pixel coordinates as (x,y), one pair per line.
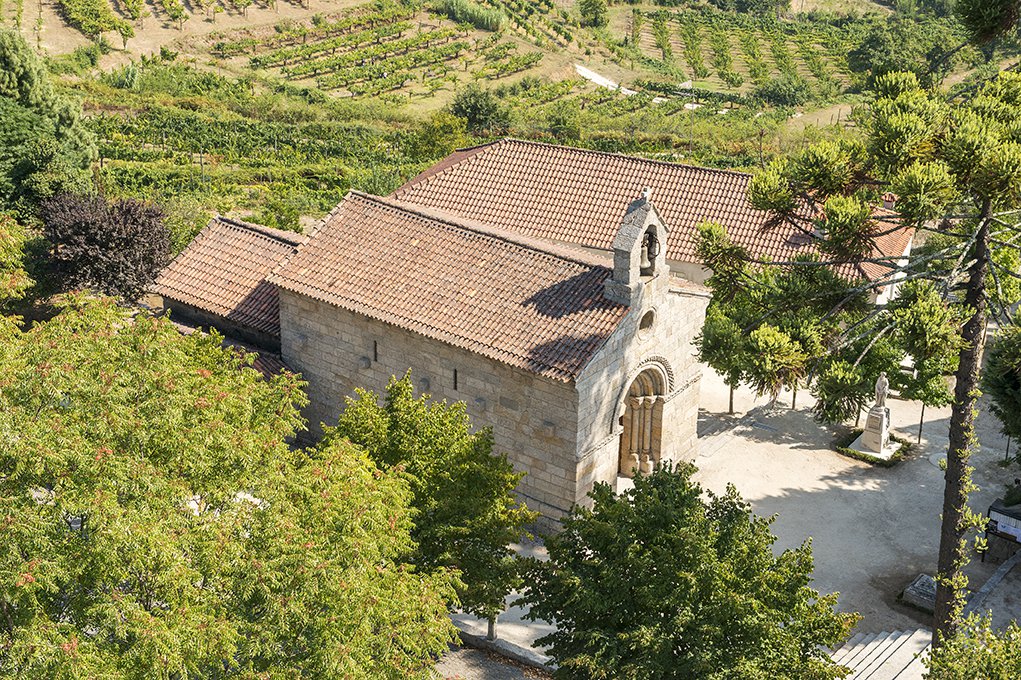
(921,593)
(876,437)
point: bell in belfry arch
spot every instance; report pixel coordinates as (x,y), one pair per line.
(648,246)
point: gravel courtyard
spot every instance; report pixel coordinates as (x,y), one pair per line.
(873,529)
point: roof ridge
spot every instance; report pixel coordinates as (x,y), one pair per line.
(289,237)
(442,166)
(614,154)
(548,248)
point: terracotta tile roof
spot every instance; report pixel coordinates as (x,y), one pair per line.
(223,271)
(578,196)
(518,301)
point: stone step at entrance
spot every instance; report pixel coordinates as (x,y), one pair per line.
(885,656)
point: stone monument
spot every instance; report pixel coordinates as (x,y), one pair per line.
(875,440)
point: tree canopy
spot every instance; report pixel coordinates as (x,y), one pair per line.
(1002,379)
(593,12)
(466,513)
(669,580)
(481,110)
(114,248)
(158,525)
(978,652)
(44,146)
(955,168)
(14,280)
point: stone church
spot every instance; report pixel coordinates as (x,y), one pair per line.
(553,290)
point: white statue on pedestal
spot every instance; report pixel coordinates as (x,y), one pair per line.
(882,389)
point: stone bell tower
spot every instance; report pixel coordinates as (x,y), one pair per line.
(639,254)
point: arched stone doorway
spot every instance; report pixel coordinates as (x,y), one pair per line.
(641,439)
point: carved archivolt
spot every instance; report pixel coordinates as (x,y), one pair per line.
(640,417)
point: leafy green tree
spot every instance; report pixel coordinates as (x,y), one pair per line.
(669,580)
(987,20)
(841,390)
(593,12)
(563,120)
(158,525)
(928,327)
(766,325)
(773,361)
(116,248)
(1002,379)
(977,651)
(467,515)
(916,44)
(763,7)
(44,146)
(786,89)
(956,168)
(14,280)
(721,345)
(437,137)
(481,110)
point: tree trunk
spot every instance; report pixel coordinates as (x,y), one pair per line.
(962,438)
(731,406)
(921,421)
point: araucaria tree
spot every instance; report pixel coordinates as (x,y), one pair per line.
(670,581)
(156,523)
(1002,379)
(466,513)
(114,248)
(955,167)
(977,651)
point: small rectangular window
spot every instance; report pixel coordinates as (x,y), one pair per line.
(455,378)
(375,351)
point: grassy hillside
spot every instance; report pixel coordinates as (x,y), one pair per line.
(273,109)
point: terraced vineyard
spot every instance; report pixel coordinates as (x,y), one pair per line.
(371,52)
(729,51)
(541,22)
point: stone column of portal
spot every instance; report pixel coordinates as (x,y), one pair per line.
(657,430)
(647,403)
(636,431)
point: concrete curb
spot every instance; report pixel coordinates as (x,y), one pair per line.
(524,656)
(979,598)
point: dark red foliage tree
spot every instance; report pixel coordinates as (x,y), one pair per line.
(116,248)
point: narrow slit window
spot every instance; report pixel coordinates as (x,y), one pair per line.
(455,378)
(375,350)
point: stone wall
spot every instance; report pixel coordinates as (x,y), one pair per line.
(199,317)
(534,419)
(565,437)
(678,315)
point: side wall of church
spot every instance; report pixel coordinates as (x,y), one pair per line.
(534,420)
(678,318)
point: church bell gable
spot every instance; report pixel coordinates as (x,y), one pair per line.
(639,252)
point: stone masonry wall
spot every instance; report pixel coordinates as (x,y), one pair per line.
(678,318)
(534,419)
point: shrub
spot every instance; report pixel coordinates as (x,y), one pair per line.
(468,12)
(480,109)
(116,248)
(785,89)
